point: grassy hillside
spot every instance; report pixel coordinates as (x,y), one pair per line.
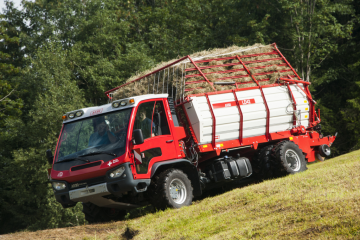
(321,203)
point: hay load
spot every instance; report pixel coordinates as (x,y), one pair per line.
(208,71)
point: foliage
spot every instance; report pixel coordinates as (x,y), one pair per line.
(9,67)
(29,197)
(338,90)
(10,103)
(309,31)
(316,30)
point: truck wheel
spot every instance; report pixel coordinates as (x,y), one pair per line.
(289,158)
(171,188)
(96,214)
(263,163)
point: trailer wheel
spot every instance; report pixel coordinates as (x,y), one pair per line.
(289,158)
(96,214)
(171,188)
(263,162)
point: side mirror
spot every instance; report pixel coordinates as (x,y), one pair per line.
(138,137)
(49,156)
(157,122)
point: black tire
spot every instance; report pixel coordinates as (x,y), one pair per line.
(289,158)
(263,163)
(96,214)
(171,188)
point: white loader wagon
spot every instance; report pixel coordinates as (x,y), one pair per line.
(253,108)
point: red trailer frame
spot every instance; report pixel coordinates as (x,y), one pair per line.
(305,138)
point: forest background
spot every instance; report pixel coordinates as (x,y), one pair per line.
(60,55)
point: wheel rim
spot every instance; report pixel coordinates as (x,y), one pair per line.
(293,160)
(177,191)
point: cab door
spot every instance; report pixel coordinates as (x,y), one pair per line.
(159,143)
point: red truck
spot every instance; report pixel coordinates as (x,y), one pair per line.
(167,146)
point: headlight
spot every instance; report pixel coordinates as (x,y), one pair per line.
(117,172)
(71,115)
(79,113)
(116,104)
(58,186)
(123,103)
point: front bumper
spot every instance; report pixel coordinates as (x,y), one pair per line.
(95,193)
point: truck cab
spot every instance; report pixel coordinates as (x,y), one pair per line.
(98,159)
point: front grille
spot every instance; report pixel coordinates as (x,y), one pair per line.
(85,166)
(87,182)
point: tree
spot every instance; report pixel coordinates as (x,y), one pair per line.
(309,31)
(338,90)
(29,197)
(10,104)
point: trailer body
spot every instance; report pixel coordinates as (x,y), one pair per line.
(254,114)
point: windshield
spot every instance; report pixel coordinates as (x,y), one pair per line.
(103,134)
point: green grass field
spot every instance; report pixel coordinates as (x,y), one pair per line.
(320,203)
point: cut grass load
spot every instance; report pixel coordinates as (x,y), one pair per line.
(321,203)
(184,78)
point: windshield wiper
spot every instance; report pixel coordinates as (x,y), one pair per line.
(99,152)
(71,159)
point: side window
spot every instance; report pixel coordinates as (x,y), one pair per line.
(151,119)
(162,126)
(143,119)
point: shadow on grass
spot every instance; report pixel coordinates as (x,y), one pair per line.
(129,233)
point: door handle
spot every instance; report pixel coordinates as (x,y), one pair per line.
(169,141)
